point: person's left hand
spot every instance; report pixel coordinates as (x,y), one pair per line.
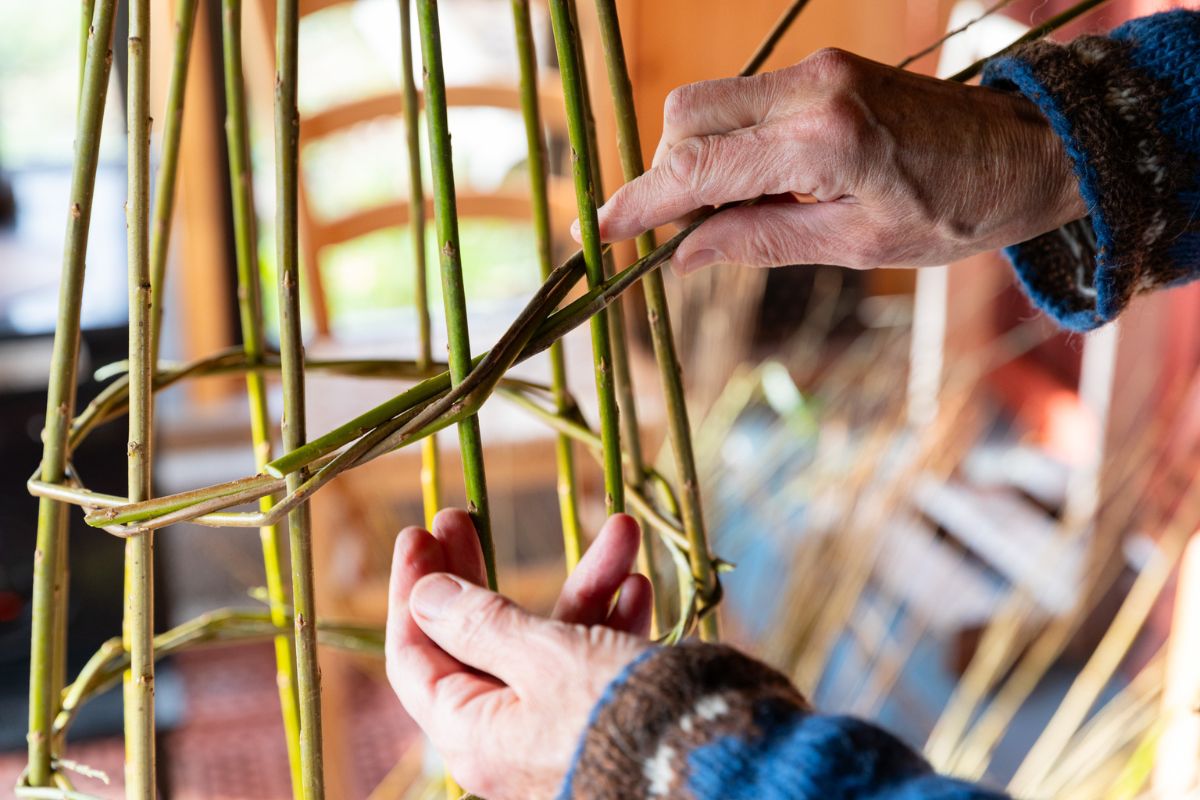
(503,694)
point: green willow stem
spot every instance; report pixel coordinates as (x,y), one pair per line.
(679,430)
(570,60)
(138,627)
(168,169)
(453,290)
(430,469)
(291,353)
(395,419)
(48,638)
(568,505)
(225,625)
(237,135)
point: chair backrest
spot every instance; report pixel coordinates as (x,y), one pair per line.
(318,234)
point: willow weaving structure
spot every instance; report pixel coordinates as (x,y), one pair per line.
(441,394)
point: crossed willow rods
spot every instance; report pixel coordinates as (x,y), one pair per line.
(439,400)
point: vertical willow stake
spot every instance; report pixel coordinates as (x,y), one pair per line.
(430,479)
(138,628)
(453,291)
(678,426)
(566,39)
(164,187)
(631,438)
(237,135)
(48,639)
(536,146)
(291,354)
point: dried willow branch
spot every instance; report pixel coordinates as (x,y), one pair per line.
(291,352)
(250,312)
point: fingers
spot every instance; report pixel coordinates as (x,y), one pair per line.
(719,106)
(780,234)
(414,662)
(485,630)
(588,592)
(453,529)
(634,606)
(702,171)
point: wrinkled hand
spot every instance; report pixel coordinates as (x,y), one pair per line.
(891,168)
(503,694)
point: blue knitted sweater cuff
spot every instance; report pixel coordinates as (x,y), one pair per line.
(1127,108)
(704,722)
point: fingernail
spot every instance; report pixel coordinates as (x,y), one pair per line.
(697,260)
(433,594)
(575,234)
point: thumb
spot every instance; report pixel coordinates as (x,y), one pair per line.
(483,629)
(769,235)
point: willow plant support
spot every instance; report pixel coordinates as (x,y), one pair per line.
(291,352)
(442,395)
(250,313)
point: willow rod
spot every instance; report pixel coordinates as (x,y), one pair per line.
(138,626)
(679,429)
(566,39)
(453,290)
(168,169)
(1036,32)
(430,470)
(250,312)
(291,354)
(568,507)
(48,637)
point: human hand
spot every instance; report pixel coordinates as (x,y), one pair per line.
(891,168)
(503,694)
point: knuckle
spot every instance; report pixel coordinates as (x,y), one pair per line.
(677,104)
(832,65)
(685,164)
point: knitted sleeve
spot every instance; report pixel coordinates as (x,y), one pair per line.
(703,722)
(1127,108)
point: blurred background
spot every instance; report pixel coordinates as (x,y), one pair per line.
(944,513)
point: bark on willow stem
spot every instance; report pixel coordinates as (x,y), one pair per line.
(566,40)
(679,430)
(430,477)
(453,290)
(291,354)
(237,136)
(568,506)
(138,628)
(164,187)
(48,638)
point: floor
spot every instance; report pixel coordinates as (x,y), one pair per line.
(230,744)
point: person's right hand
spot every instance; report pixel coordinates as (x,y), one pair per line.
(905,170)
